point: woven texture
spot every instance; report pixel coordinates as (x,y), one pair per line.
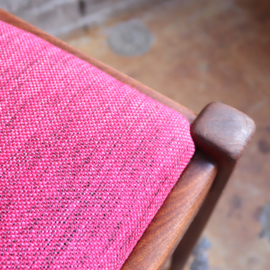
(85,160)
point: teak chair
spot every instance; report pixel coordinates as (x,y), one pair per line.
(220,132)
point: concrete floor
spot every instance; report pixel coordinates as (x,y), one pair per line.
(211,50)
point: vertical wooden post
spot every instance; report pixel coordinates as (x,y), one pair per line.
(223,133)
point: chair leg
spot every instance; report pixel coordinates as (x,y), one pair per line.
(222,132)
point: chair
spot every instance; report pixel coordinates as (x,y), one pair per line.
(220,133)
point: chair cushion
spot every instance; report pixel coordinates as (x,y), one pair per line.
(85,160)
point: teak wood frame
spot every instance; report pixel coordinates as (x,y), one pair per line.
(220,133)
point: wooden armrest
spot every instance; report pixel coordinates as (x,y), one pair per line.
(223,133)
(173,218)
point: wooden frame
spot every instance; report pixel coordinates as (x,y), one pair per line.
(221,134)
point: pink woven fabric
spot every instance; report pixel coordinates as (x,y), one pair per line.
(85,160)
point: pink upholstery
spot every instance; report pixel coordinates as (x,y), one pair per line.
(85,160)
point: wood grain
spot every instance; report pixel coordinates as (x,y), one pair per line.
(172,220)
(223,133)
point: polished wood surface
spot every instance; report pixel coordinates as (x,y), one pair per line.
(172,220)
(223,133)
